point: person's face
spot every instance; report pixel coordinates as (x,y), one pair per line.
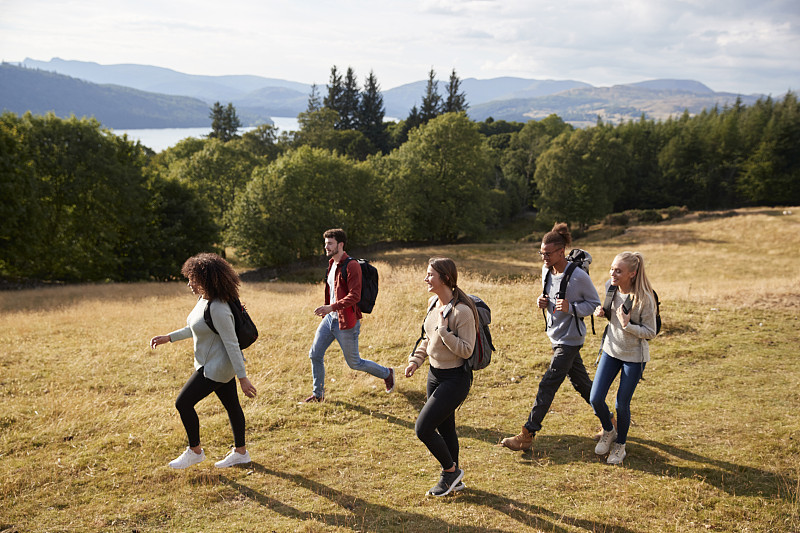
(332,247)
(195,287)
(621,276)
(551,254)
(433,280)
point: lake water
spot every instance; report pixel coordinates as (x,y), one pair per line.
(162,138)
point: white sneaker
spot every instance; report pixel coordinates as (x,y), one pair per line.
(188,458)
(604,444)
(617,454)
(233,458)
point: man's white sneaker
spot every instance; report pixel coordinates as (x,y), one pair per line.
(233,458)
(188,458)
(617,454)
(604,444)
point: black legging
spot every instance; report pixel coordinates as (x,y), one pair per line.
(197,388)
(446,390)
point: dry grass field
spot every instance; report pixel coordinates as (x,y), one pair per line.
(88,424)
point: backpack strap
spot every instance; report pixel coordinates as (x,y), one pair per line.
(422,328)
(611,291)
(345,262)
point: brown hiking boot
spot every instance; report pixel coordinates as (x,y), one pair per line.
(523,441)
(600,433)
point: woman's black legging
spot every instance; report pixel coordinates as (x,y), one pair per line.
(197,388)
(436,423)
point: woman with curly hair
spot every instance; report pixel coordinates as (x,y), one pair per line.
(218,360)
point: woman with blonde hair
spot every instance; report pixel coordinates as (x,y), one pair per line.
(631,313)
(218,360)
(450,329)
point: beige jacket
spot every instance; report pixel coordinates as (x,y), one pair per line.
(447,346)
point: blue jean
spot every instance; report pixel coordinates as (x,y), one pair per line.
(327,331)
(630,374)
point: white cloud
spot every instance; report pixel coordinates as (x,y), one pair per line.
(727,44)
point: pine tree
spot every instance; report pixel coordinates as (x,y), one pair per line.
(224,122)
(371,113)
(456,102)
(314,102)
(335,91)
(348,107)
(432,102)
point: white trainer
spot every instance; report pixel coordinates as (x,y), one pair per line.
(188,458)
(604,444)
(617,454)
(233,458)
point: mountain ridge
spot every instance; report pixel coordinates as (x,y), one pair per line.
(257,98)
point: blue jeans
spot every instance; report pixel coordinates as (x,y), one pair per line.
(327,331)
(607,370)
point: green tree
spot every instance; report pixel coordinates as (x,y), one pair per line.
(578,176)
(290,203)
(219,173)
(439,182)
(371,114)
(431,101)
(349,104)
(224,122)
(456,101)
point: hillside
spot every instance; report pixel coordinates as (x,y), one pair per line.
(258,98)
(37,91)
(656,99)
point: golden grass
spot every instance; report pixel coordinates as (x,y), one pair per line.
(87,422)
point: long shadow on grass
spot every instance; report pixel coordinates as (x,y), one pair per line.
(729,477)
(534,515)
(357,514)
(417,400)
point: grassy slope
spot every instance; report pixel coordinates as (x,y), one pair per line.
(87,422)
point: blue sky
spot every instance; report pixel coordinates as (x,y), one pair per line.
(730,45)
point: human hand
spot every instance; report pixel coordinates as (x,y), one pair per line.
(599,312)
(562,305)
(410,369)
(541,302)
(624,318)
(323,310)
(247,388)
(159,339)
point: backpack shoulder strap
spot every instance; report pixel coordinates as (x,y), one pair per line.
(611,291)
(345,262)
(562,289)
(422,328)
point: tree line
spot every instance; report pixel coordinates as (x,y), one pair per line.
(80,203)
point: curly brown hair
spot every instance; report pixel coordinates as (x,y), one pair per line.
(558,235)
(214,274)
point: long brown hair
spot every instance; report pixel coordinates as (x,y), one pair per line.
(214,274)
(446,268)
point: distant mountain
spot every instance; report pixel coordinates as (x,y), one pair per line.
(253,97)
(656,99)
(23,89)
(257,98)
(400,100)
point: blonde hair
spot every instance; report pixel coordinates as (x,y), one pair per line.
(640,286)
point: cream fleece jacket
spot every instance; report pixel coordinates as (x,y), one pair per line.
(447,346)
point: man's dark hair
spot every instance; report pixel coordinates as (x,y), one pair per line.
(336,233)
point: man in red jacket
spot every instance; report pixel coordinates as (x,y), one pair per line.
(341,318)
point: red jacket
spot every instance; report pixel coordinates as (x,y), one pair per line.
(347,294)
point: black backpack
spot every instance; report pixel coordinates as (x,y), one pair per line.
(246,330)
(482,351)
(369,283)
(611,291)
(576,258)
